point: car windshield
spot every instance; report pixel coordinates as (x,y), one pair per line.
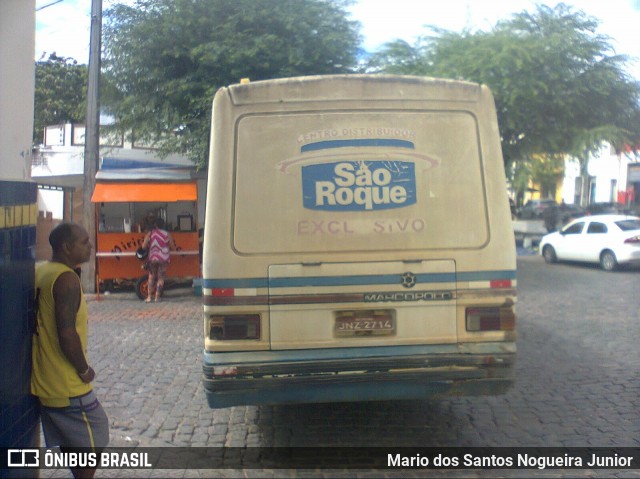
(629,225)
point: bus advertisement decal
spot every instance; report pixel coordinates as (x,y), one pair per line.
(359,185)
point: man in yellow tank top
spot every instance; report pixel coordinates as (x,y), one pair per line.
(61,378)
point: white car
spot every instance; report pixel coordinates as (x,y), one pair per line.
(610,240)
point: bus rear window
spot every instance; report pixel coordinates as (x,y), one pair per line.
(358,181)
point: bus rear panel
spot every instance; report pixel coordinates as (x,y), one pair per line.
(358,242)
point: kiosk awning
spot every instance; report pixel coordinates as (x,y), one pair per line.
(144,192)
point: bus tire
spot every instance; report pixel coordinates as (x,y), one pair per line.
(142,287)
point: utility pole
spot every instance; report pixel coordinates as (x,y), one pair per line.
(92,142)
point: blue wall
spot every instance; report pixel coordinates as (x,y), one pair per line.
(18,217)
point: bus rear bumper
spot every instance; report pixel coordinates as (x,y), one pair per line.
(361,379)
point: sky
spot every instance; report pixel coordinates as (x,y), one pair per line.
(64,27)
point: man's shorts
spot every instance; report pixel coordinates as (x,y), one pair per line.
(81,424)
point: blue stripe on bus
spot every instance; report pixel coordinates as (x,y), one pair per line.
(325,145)
(375,279)
(357,280)
(485,275)
(236,283)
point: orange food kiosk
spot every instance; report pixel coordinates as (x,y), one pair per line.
(124,213)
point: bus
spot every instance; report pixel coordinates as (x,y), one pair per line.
(358,243)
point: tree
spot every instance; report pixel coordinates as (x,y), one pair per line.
(544,170)
(559,87)
(166,58)
(60,93)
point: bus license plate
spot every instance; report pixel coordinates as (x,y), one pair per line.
(374,325)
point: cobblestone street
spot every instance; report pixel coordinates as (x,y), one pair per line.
(578,381)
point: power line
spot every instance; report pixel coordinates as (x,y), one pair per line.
(49,5)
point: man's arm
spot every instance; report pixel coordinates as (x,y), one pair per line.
(66,293)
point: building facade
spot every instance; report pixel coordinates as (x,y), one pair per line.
(19,424)
(611,177)
(606,176)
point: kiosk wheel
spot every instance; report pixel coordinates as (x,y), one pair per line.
(142,287)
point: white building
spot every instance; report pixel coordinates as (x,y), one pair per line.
(17,80)
(612,177)
(58,168)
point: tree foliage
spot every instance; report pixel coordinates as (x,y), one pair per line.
(165,59)
(558,84)
(60,93)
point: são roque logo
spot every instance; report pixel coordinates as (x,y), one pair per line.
(359,185)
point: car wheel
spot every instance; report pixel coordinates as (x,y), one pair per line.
(549,254)
(142,287)
(608,261)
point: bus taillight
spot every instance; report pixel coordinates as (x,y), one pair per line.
(491,319)
(234,327)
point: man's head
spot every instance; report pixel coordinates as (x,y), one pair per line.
(70,244)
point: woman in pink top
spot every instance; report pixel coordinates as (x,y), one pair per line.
(159,243)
